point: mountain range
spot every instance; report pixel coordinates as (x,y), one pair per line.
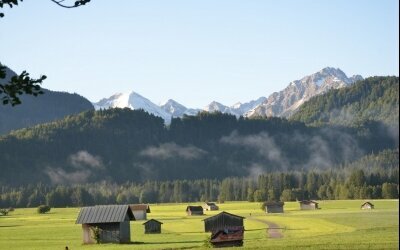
(280,104)
(50,106)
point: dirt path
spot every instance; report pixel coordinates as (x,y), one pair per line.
(273,230)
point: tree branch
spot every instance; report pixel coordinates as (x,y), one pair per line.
(76,4)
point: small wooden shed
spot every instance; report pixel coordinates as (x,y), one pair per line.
(308,205)
(194,210)
(222,221)
(140,211)
(210,206)
(367,205)
(152,227)
(229,237)
(274,206)
(112,221)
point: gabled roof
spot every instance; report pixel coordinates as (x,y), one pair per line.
(153,220)
(369,203)
(194,208)
(308,202)
(274,203)
(140,207)
(223,213)
(104,214)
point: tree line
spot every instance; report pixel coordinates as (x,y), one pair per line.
(378,180)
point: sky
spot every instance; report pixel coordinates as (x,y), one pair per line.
(196,52)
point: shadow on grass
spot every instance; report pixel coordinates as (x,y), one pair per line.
(11,226)
(258,229)
(167,242)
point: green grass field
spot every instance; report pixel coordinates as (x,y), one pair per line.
(337,225)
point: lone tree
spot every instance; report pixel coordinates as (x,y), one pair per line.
(23,83)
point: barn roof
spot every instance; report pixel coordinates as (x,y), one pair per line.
(367,203)
(194,208)
(221,214)
(140,207)
(274,203)
(152,220)
(104,214)
(308,202)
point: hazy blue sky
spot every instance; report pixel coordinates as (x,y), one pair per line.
(197,51)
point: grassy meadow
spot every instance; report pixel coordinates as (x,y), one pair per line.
(337,225)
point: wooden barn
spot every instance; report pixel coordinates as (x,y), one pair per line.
(308,205)
(274,206)
(152,227)
(210,206)
(222,221)
(194,210)
(111,220)
(229,237)
(140,211)
(367,205)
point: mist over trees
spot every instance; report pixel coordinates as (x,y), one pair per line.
(351,181)
(132,145)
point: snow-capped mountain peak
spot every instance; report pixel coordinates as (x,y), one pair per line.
(287,101)
(216,107)
(132,100)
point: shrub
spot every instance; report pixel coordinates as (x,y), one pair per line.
(4,211)
(43,209)
(96,232)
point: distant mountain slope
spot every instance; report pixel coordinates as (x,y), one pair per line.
(286,102)
(48,107)
(176,109)
(375,98)
(133,101)
(238,109)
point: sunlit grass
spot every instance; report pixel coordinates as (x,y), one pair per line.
(337,225)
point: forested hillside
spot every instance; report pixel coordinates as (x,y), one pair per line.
(374,176)
(120,145)
(50,106)
(375,98)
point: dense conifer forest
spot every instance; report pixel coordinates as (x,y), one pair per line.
(126,156)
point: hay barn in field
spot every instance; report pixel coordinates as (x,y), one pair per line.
(194,210)
(308,205)
(152,227)
(274,206)
(113,222)
(229,237)
(222,221)
(140,211)
(367,205)
(210,206)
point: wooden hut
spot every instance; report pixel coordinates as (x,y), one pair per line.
(194,210)
(274,206)
(222,221)
(140,211)
(152,227)
(112,221)
(229,237)
(308,205)
(210,206)
(367,205)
